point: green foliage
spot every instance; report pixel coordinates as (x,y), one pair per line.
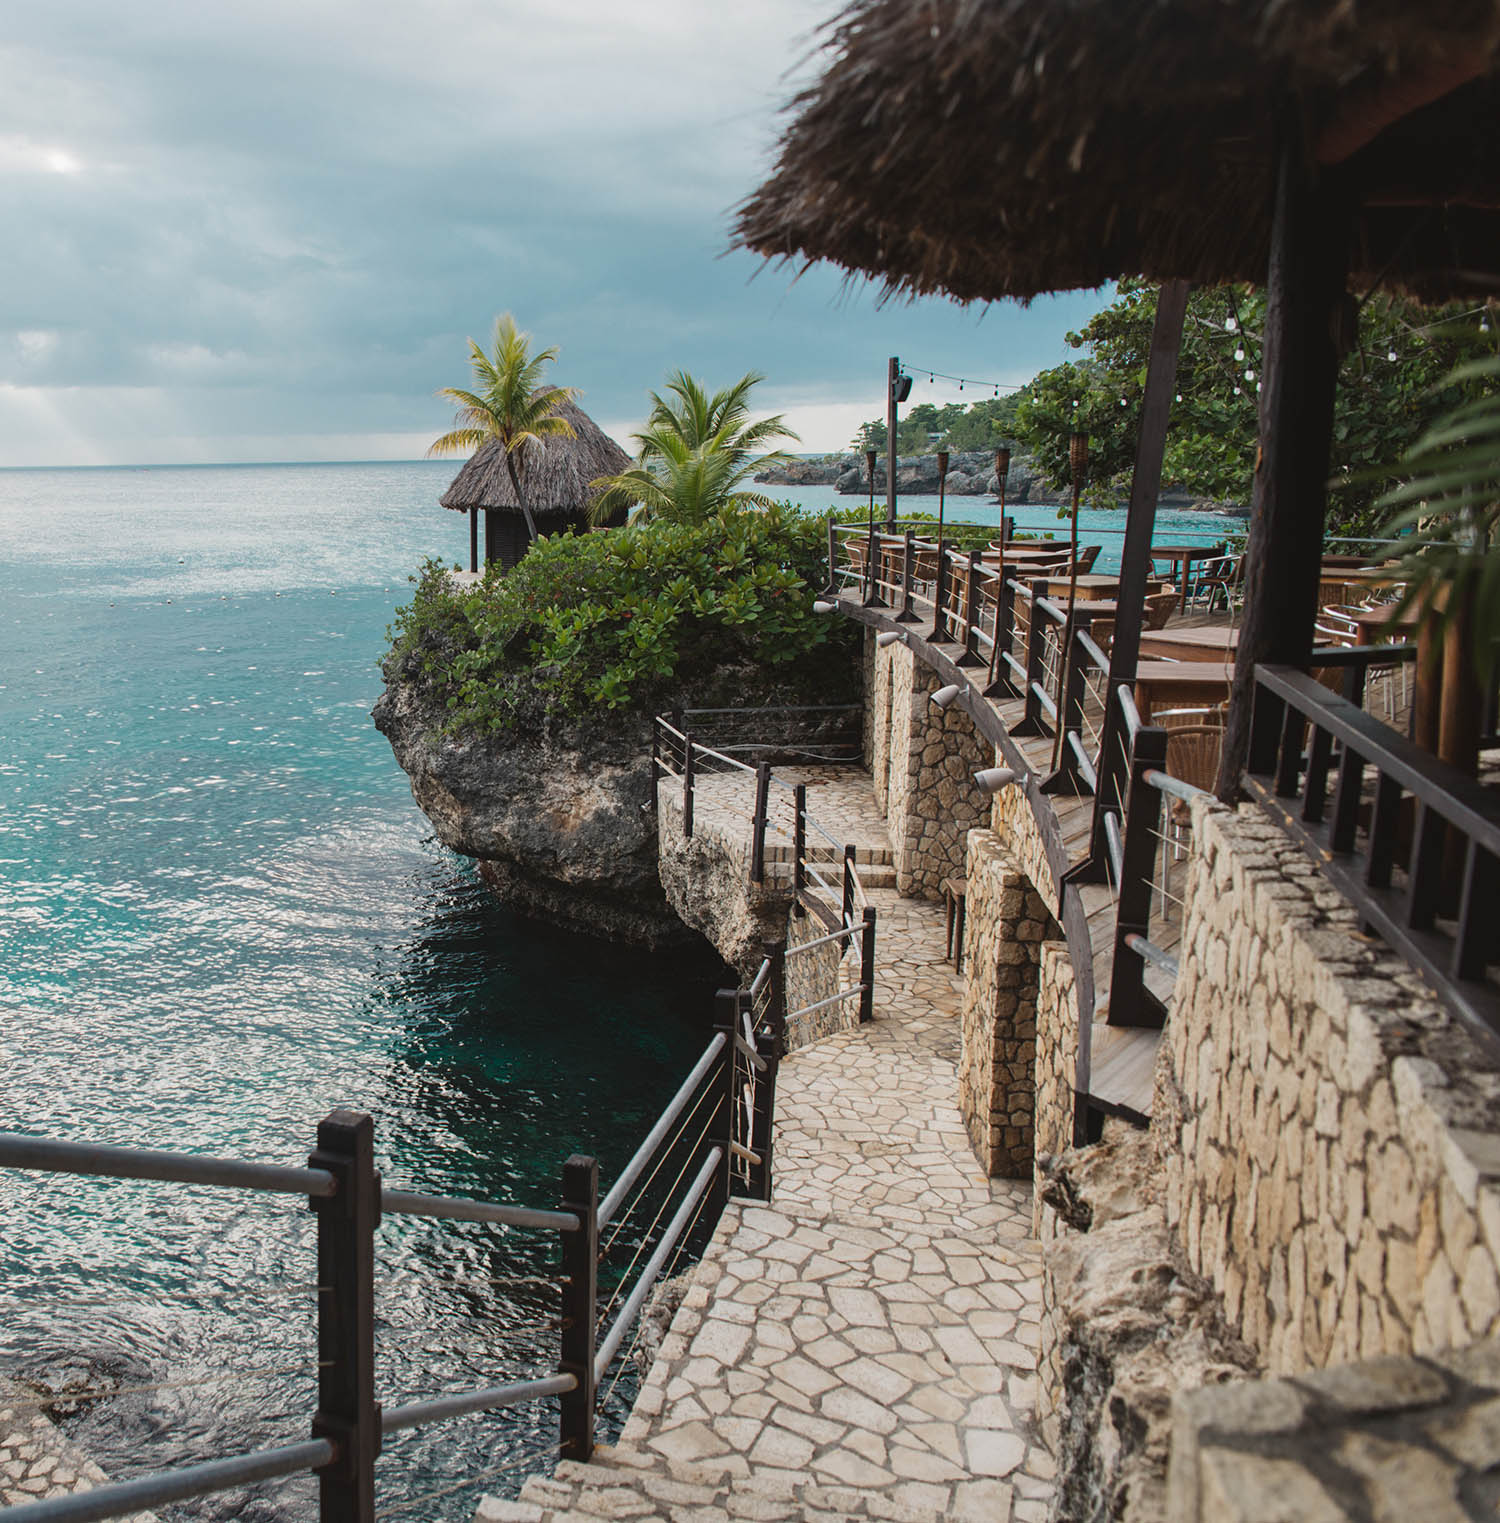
(1449,505)
(512,405)
(927,428)
(1382,401)
(696,451)
(623,619)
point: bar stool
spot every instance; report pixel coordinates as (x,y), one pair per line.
(955,891)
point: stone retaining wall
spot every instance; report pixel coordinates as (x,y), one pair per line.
(877,725)
(814,976)
(1329,1136)
(1392,1438)
(1004,929)
(932,800)
(1056,1050)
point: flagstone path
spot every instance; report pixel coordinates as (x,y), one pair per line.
(865,1345)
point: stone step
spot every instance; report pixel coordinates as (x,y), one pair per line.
(628,1484)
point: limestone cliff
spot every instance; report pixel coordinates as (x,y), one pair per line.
(559,816)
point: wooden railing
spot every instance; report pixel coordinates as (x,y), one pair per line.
(1411,842)
(715,1134)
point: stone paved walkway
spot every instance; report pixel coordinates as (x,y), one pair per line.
(36,1461)
(865,1346)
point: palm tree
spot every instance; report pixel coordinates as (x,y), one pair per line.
(695,451)
(511,407)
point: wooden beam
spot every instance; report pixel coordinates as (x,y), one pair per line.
(1305,303)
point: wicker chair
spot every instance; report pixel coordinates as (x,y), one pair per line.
(1193,756)
(1159,607)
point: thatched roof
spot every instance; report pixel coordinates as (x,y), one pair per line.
(555,472)
(1003,148)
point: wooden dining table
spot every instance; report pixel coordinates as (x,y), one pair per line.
(1184,556)
(1371,625)
(1207,642)
(1092,586)
(1178,684)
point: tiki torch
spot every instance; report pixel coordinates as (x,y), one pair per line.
(870,547)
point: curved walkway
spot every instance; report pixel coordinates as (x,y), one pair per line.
(865,1346)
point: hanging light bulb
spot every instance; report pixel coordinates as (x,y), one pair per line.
(1179,396)
(1391,355)
(1230,325)
(960,385)
(1257,385)
(1239,355)
(1123,402)
(1236,391)
(1249,375)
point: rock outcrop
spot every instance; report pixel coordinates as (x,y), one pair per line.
(559,817)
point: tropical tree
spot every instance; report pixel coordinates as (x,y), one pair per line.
(1393,383)
(695,452)
(511,406)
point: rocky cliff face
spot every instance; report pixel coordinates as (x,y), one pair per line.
(560,819)
(971,473)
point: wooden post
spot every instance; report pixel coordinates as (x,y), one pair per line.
(491,539)
(1032,721)
(347,1411)
(758,826)
(971,611)
(893,373)
(846,915)
(580,1305)
(1305,317)
(1000,685)
(721,1132)
(1135,558)
(799,841)
(906,616)
(473,539)
(867,965)
(687,786)
(1072,689)
(1130,1002)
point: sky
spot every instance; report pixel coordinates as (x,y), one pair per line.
(265,231)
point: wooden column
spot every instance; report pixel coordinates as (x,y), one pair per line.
(491,547)
(1305,319)
(893,371)
(1135,556)
(473,539)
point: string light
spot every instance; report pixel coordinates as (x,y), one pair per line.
(1239,354)
(1231,325)
(995,387)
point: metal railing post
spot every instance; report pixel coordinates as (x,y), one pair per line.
(728,1006)
(580,1305)
(770,1038)
(655,759)
(1000,685)
(799,841)
(347,1411)
(906,616)
(1072,692)
(867,966)
(1032,722)
(1130,1002)
(833,559)
(939,635)
(970,656)
(846,910)
(687,786)
(758,826)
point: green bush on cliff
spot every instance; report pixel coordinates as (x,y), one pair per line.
(619,619)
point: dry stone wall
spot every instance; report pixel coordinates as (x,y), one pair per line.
(877,720)
(1329,1135)
(1056,1050)
(932,800)
(1392,1438)
(814,976)
(1004,931)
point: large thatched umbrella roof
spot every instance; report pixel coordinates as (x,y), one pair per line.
(1003,148)
(556,473)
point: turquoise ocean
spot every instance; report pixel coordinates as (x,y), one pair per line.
(221,915)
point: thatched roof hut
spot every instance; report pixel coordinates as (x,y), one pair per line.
(555,475)
(1004,148)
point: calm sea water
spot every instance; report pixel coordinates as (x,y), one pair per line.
(220,916)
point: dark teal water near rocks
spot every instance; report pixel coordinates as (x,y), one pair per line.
(220,916)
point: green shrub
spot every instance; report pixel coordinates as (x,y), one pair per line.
(620,619)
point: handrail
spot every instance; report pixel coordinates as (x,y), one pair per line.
(643,1154)
(148,1491)
(842,934)
(18,1151)
(418,1414)
(455,1209)
(609,1345)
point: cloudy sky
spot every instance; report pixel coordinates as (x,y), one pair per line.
(263,231)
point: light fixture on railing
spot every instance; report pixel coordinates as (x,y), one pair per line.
(822,605)
(993,779)
(945,696)
(887,638)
